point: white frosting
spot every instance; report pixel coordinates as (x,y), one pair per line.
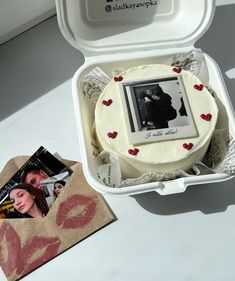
(161,156)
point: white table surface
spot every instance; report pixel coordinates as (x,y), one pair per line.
(182,237)
(15,19)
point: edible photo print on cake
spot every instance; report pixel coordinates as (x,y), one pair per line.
(156,109)
(34,187)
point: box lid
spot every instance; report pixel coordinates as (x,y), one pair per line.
(98,27)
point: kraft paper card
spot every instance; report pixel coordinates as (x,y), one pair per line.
(29,242)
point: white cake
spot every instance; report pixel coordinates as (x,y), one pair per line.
(157,154)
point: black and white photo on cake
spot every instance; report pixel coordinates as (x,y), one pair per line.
(156,109)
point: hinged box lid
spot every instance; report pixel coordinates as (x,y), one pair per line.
(98,27)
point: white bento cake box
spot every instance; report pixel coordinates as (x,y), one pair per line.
(126,33)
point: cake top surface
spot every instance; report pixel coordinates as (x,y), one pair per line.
(155,114)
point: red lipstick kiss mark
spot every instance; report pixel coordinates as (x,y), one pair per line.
(177,69)
(13,248)
(64,220)
(198,87)
(107,102)
(34,247)
(133,151)
(112,135)
(118,78)
(188,146)
(206,117)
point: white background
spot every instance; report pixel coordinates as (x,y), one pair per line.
(18,16)
(181,237)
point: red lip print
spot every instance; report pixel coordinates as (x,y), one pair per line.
(112,135)
(206,117)
(118,78)
(64,220)
(8,235)
(107,102)
(133,151)
(177,69)
(198,87)
(32,255)
(188,146)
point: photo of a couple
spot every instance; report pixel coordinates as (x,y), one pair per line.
(32,190)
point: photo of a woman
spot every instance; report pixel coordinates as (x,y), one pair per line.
(57,188)
(28,201)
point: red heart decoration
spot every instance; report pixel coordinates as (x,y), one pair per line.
(118,78)
(188,146)
(112,135)
(107,102)
(177,69)
(198,87)
(206,117)
(133,151)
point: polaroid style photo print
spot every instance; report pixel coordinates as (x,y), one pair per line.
(25,190)
(156,109)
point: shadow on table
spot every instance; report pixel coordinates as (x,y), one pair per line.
(34,63)
(219,43)
(209,198)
